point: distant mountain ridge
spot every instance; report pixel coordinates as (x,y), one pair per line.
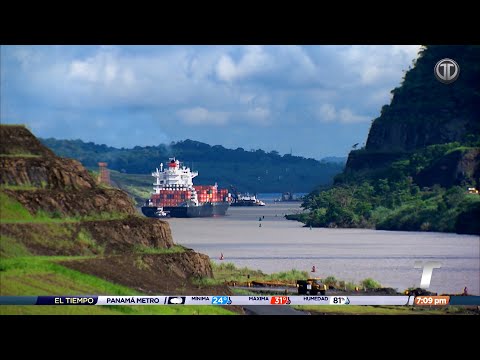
(252,171)
(335,159)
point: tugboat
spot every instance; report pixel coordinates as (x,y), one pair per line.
(244,200)
(247,200)
(175,195)
(289,197)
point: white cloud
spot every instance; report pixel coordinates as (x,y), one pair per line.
(180,76)
(246,87)
(372,64)
(328,113)
(81,70)
(104,68)
(346,116)
(226,69)
(280,64)
(202,116)
(254,60)
(409,51)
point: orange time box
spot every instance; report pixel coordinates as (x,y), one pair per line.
(432,300)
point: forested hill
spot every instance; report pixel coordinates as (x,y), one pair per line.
(421,156)
(252,171)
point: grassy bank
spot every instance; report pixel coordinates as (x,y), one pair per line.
(22,274)
(41,275)
(228,272)
(381,310)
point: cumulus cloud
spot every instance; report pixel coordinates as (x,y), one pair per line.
(244,87)
(103,68)
(377,64)
(226,68)
(254,60)
(328,113)
(278,65)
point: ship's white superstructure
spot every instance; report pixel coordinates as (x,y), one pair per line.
(175,177)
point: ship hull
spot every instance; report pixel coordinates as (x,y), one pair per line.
(246,203)
(205,210)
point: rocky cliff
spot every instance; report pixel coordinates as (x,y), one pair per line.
(454,168)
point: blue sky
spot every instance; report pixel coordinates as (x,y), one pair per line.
(315,101)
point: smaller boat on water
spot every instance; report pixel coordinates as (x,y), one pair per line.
(160,213)
(244,199)
(289,197)
(247,200)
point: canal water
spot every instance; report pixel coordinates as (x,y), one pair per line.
(348,254)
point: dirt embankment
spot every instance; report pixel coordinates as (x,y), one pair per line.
(75,203)
(41,181)
(124,235)
(154,274)
(171,274)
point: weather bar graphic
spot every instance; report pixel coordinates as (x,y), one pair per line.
(241,300)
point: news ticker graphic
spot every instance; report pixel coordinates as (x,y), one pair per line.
(241,300)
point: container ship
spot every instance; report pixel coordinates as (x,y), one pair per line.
(175,195)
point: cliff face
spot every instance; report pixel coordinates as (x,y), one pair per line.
(74,203)
(425,112)
(51,172)
(394,134)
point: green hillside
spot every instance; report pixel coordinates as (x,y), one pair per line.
(42,275)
